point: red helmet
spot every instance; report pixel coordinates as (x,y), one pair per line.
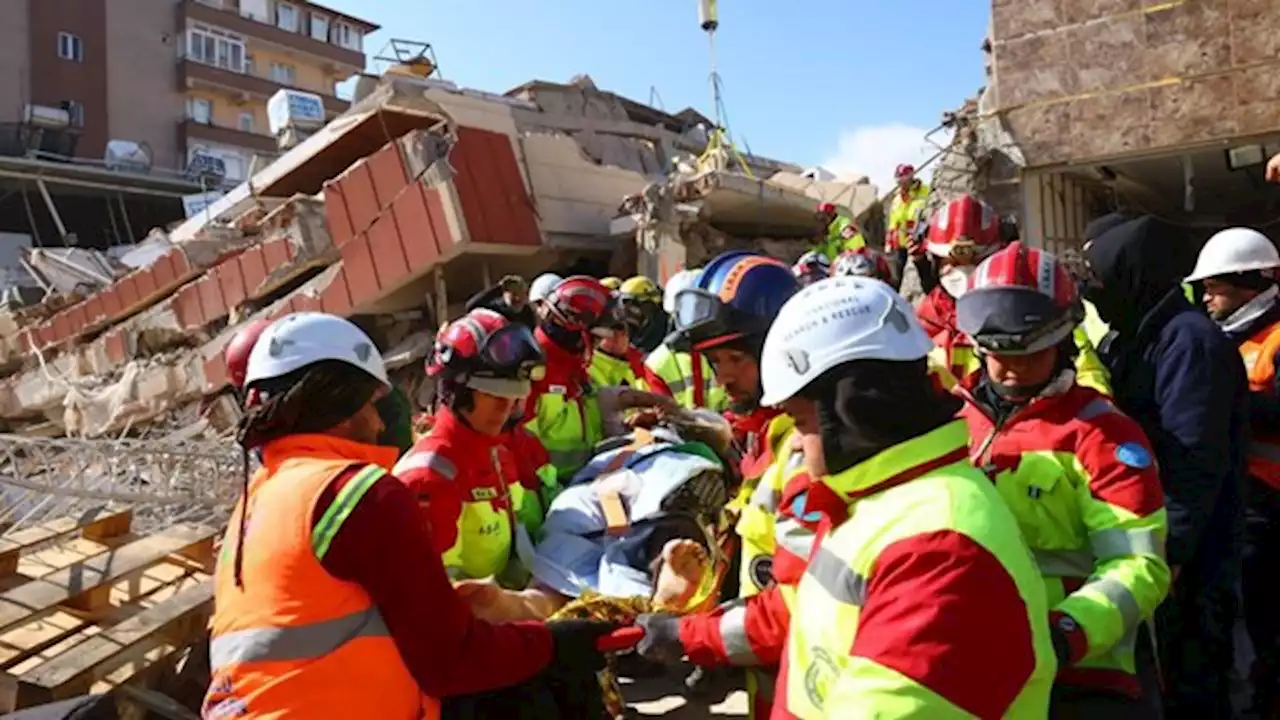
(484,351)
(964,231)
(1021,300)
(904,171)
(863,262)
(578,303)
(236,354)
(827,208)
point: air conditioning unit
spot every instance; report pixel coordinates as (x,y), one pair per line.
(49,118)
(205,169)
(128,156)
(291,109)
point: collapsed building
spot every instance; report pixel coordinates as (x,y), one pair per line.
(1169,108)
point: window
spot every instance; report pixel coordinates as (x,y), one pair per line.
(246,122)
(70,47)
(286,17)
(281,73)
(347,36)
(319,27)
(200,110)
(213,47)
(75,111)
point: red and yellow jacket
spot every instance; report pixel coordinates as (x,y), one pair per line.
(1081,479)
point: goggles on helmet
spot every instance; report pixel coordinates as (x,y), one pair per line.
(509,352)
(964,251)
(701,317)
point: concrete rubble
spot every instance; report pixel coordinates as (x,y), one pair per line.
(392,214)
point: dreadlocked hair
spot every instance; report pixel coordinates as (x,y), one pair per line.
(311,399)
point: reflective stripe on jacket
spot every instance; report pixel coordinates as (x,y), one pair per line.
(1259,353)
(293,641)
(902,215)
(691,386)
(465,482)
(1082,481)
(569,428)
(865,643)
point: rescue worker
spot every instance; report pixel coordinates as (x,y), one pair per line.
(906,209)
(811,267)
(963,233)
(642,306)
(394,407)
(687,375)
(836,233)
(460,472)
(866,262)
(1182,380)
(563,410)
(1079,476)
(725,317)
(509,298)
(541,288)
(615,362)
(1238,269)
(921,599)
(330,600)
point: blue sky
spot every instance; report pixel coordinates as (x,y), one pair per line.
(849,84)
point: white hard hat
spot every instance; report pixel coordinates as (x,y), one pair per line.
(682,280)
(832,322)
(305,338)
(543,285)
(1234,250)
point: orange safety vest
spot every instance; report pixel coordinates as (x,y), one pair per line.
(294,641)
(1259,353)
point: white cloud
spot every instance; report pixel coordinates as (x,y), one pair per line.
(876,150)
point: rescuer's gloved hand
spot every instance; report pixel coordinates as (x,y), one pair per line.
(1069,641)
(575,644)
(661,642)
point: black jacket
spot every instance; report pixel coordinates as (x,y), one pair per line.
(1176,373)
(491,299)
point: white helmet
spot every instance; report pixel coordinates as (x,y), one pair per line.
(305,338)
(543,285)
(1234,250)
(683,280)
(832,322)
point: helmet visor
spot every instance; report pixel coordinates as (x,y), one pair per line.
(513,352)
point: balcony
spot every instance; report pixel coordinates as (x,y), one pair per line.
(233,21)
(193,74)
(191,130)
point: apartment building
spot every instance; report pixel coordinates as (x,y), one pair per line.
(181,76)
(235,54)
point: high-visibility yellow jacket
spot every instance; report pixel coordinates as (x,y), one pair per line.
(677,370)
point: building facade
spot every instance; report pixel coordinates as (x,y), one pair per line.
(182,76)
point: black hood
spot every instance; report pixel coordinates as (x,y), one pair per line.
(1135,263)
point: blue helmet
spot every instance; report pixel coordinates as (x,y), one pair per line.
(737,296)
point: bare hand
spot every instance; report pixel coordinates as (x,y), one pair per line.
(1273,169)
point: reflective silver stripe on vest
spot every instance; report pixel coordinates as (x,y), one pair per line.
(1120,597)
(733,633)
(1118,542)
(1265,451)
(766,498)
(793,537)
(427,460)
(302,642)
(1064,563)
(680,385)
(842,582)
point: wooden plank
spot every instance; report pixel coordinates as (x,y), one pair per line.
(96,524)
(68,585)
(86,661)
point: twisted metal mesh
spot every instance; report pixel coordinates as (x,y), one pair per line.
(164,481)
